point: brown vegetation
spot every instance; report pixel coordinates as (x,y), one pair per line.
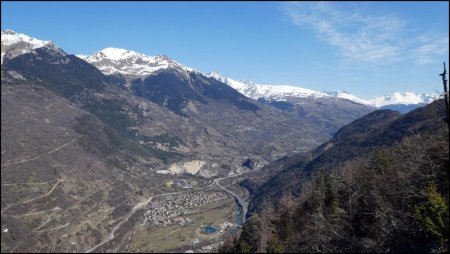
(391,198)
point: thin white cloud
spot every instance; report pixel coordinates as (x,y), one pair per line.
(371,38)
(429,49)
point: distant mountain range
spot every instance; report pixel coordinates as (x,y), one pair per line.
(400,101)
(130,63)
(130,68)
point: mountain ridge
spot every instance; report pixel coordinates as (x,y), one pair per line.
(107,63)
(130,64)
(127,62)
(281,93)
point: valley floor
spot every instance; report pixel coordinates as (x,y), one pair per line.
(174,221)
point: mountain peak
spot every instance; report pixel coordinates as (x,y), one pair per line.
(10,37)
(15,44)
(128,62)
(116,53)
(7,31)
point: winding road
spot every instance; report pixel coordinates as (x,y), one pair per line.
(140,205)
(241,202)
(33,199)
(22,160)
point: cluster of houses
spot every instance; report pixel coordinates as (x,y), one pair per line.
(172,210)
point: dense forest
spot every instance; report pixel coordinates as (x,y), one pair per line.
(379,185)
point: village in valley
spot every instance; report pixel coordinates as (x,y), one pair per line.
(174,209)
(193,217)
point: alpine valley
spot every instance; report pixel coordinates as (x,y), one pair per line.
(123,152)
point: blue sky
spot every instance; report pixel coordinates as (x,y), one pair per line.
(365,48)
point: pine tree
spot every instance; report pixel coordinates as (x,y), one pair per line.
(434,215)
(244,247)
(274,246)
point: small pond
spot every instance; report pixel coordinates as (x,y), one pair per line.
(209,230)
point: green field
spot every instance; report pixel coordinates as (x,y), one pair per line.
(159,239)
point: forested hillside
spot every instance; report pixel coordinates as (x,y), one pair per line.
(379,185)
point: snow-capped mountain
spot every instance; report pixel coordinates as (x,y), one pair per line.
(15,44)
(405,98)
(128,62)
(402,102)
(268,92)
(283,93)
